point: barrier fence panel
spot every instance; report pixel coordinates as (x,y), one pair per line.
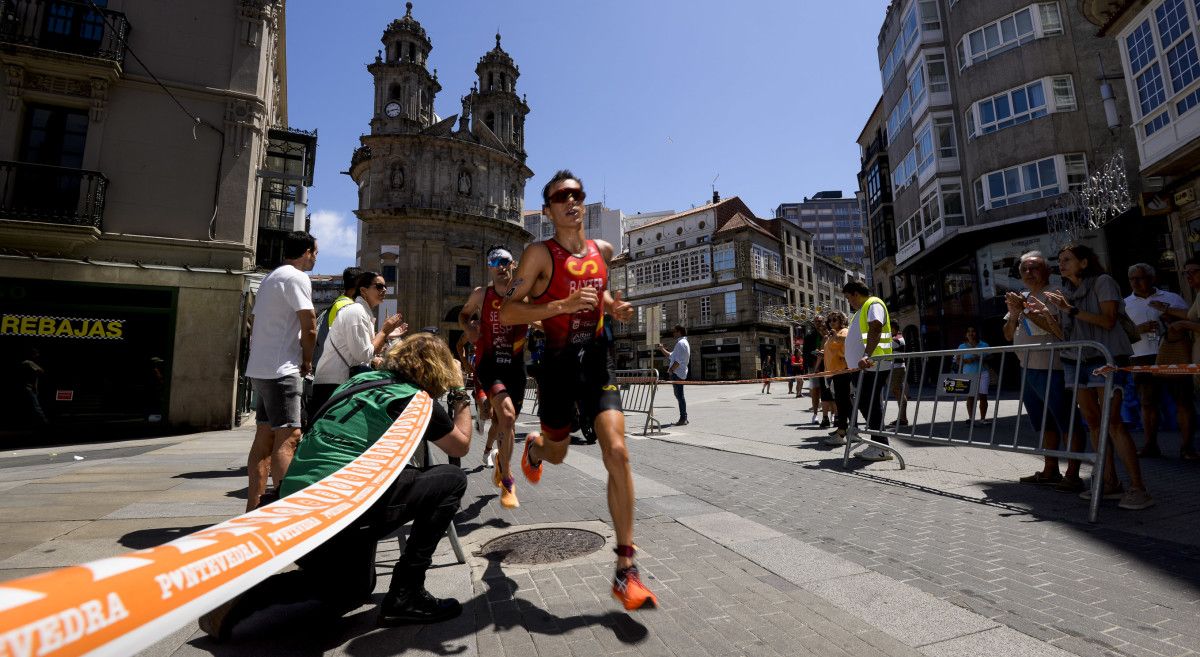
(638,388)
(1028,370)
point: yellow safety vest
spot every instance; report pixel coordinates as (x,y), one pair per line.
(885,336)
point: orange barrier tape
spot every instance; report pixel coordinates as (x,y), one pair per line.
(646,379)
(1165,370)
(121,605)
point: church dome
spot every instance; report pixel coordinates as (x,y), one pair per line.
(408,24)
(497,55)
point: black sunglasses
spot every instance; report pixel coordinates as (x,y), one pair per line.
(382,287)
(564,194)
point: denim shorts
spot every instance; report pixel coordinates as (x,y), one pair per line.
(1080,375)
(279,402)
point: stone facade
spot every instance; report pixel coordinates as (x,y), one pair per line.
(435,193)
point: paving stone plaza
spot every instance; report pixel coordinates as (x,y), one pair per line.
(754,537)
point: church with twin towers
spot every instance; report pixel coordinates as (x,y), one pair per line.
(434,193)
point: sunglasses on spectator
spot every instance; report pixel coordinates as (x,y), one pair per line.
(562,195)
(499,262)
(380,286)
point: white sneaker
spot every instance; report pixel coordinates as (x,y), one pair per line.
(835,439)
(491,457)
(874,454)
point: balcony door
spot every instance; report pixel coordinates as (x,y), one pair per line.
(52,146)
(73,27)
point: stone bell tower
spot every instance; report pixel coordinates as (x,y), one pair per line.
(496,102)
(433,193)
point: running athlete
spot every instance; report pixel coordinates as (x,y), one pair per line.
(563,283)
(499,365)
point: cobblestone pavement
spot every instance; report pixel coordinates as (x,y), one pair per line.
(754,537)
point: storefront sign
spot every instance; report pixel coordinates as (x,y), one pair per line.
(62,327)
(908,250)
(999,264)
(64,395)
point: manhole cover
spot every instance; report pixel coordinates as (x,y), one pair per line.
(538,546)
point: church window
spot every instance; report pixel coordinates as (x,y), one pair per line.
(412,51)
(490,120)
(462,275)
(491,81)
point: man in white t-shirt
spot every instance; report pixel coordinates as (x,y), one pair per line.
(281,348)
(1144,307)
(860,345)
(680,356)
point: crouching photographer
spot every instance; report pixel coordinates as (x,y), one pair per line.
(341,573)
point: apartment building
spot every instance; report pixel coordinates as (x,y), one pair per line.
(137,197)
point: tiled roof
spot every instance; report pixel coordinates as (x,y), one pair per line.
(739,221)
(685,213)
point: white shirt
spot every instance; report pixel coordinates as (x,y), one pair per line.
(854,340)
(681,354)
(350,336)
(275,350)
(1140,312)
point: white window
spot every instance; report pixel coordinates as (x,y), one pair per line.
(1021,104)
(929,16)
(904,172)
(1033,180)
(916,87)
(1011,31)
(900,114)
(909,31)
(705,307)
(682,310)
(925,148)
(723,257)
(731,303)
(943,135)
(935,72)
(1164,70)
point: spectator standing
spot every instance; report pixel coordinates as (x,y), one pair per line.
(835,359)
(870,335)
(680,355)
(796,362)
(1143,307)
(1029,322)
(341,572)
(1089,308)
(973,364)
(899,377)
(353,342)
(1184,327)
(281,348)
(810,352)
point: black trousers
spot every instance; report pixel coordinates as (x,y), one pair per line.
(871,403)
(842,384)
(341,572)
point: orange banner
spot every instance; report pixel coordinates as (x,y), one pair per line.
(1152,369)
(121,605)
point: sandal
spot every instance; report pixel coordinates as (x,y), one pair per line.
(1069,485)
(1042,479)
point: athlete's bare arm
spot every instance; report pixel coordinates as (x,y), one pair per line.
(472,306)
(622,311)
(537,266)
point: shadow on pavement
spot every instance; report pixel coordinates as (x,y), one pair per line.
(303,629)
(148,538)
(213,474)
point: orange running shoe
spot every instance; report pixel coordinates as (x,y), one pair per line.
(629,591)
(531,472)
(508,494)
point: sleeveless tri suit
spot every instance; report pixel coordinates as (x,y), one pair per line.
(500,352)
(577,367)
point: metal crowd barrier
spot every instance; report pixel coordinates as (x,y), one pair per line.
(949,387)
(637,395)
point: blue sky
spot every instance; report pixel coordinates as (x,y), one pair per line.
(646,100)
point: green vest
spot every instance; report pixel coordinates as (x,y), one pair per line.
(885,335)
(345,431)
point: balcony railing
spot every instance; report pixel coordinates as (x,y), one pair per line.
(58,195)
(65,26)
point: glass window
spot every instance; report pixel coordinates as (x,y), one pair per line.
(731,303)
(1182,63)
(1021,183)
(1140,46)
(939,81)
(1151,92)
(1008,32)
(462,275)
(1012,107)
(929,16)
(1172,20)
(944,128)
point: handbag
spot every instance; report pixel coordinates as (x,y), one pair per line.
(1177,351)
(354,369)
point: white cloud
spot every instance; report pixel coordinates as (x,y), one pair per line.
(336,233)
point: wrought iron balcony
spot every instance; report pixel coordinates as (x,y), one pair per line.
(57,195)
(65,26)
